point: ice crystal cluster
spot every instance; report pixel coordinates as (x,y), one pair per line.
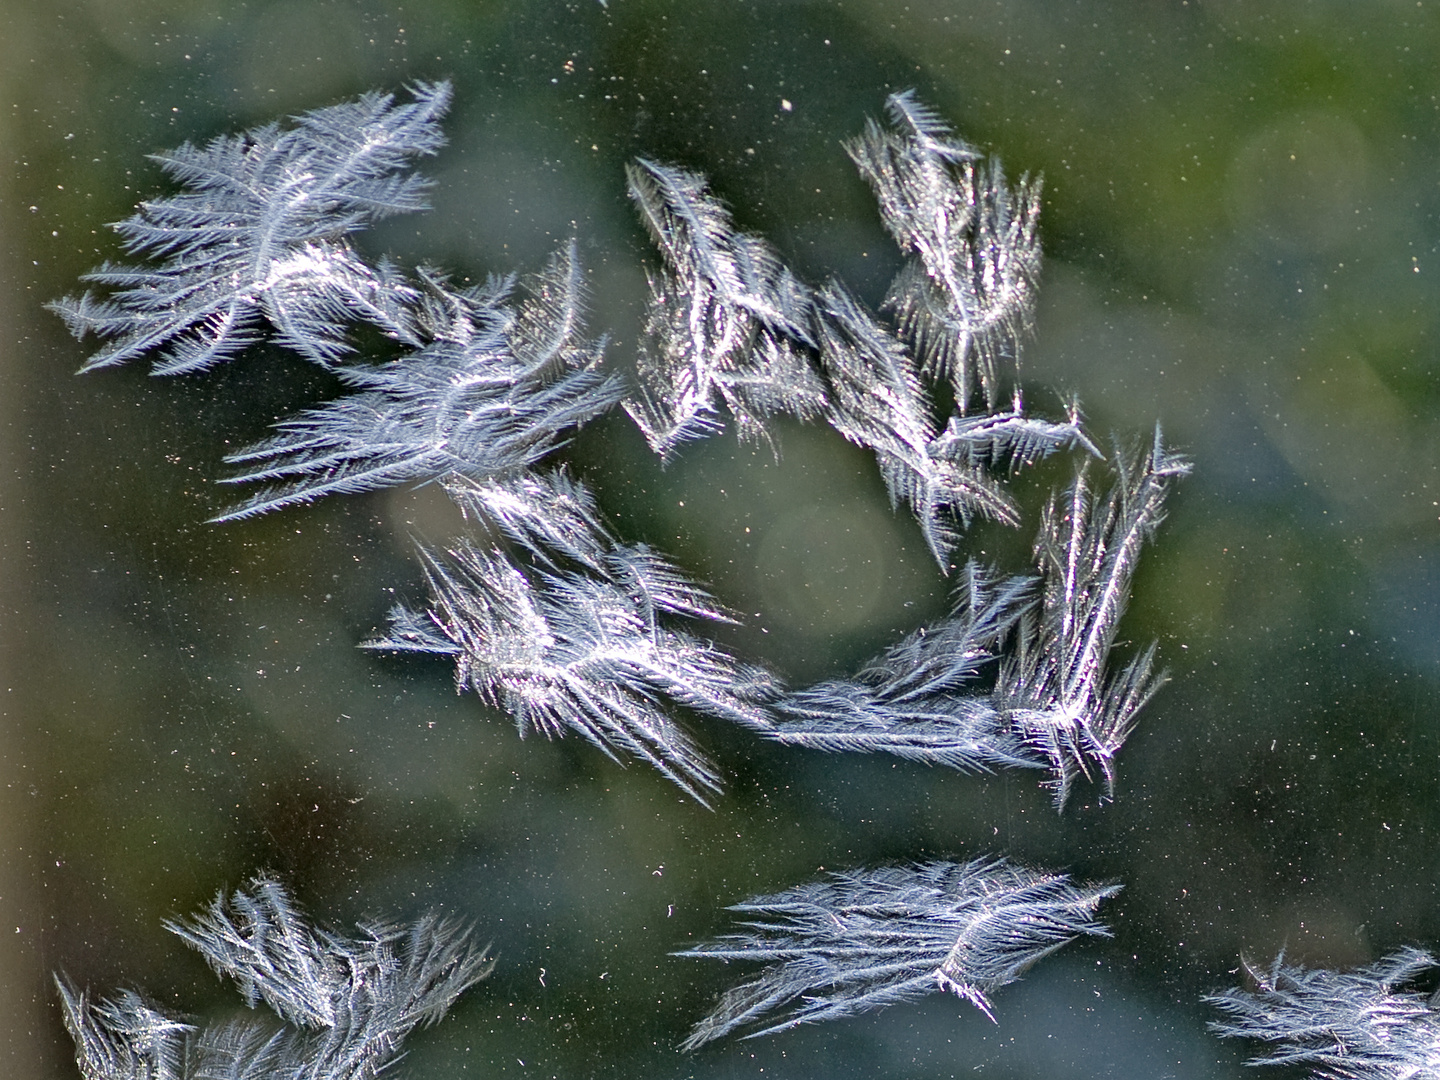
(1345,1025)
(344,1005)
(867,939)
(261,236)
(550,617)
(594,647)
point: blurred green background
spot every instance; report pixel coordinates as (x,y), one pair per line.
(1241,231)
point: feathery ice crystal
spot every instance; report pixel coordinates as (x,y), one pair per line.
(567,628)
(870,938)
(347,1003)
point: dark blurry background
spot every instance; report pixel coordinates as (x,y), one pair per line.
(1240,224)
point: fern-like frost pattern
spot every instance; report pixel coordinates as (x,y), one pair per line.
(865,939)
(730,326)
(967,297)
(878,400)
(1056,686)
(582,636)
(554,619)
(591,649)
(1053,703)
(727,321)
(347,1003)
(917,700)
(260,235)
(1345,1025)
(495,389)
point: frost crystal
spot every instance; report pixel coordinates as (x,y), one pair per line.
(347,1003)
(870,938)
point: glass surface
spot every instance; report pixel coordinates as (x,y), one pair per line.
(1241,243)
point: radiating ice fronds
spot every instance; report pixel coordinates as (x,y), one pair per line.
(911,165)
(1009,440)
(551,516)
(123,1038)
(260,234)
(569,652)
(554,519)
(1344,1025)
(590,649)
(1056,688)
(1054,703)
(496,388)
(694,232)
(878,401)
(349,1002)
(380,984)
(918,700)
(967,297)
(727,322)
(865,939)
